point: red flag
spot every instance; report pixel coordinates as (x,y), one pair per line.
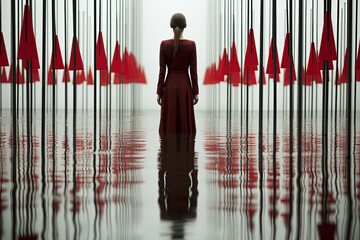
(251,58)
(327,46)
(287,75)
(235,79)
(101,62)
(126,63)
(50,77)
(207,76)
(4,77)
(3,56)
(308,78)
(19,78)
(36,76)
(285,61)
(358,75)
(27,47)
(80,77)
(223,68)
(90,80)
(58,58)
(264,79)
(345,68)
(338,82)
(67,75)
(79,62)
(270,64)
(116,65)
(249,73)
(312,68)
(104,77)
(117,78)
(234,63)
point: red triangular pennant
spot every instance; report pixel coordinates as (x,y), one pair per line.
(79,62)
(3,56)
(223,68)
(308,81)
(19,78)
(50,77)
(248,73)
(287,75)
(67,75)
(90,80)
(327,47)
(236,79)
(312,68)
(251,58)
(338,82)
(4,78)
(357,63)
(270,63)
(345,68)
(285,61)
(101,62)
(264,79)
(58,58)
(36,76)
(234,63)
(104,78)
(116,65)
(27,47)
(358,75)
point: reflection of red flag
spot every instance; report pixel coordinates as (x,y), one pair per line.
(3,76)
(234,63)
(79,62)
(67,75)
(58,58)
(251,58)
(90,80)
(101,63)
(327,46)
(27,47)
(116,65)
(3,56)
(50,77)
(326,231)
(345,68)
(270,63)
(285,61)
(223,68)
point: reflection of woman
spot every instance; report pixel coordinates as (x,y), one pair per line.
(177,176)
(177,94)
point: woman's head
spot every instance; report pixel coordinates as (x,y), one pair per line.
(177,23)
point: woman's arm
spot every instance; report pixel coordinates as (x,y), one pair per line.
(162,62)
(194,77)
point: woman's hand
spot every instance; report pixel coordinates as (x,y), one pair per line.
(196,99)
(159,99)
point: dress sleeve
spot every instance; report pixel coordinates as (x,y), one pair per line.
(193,72)
(162,61)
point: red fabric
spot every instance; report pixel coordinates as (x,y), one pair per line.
(27,47)
(285,60)
(270,63)
(357,63)
(67,75)
(236,79)
(358,75)
(338,82)
(79,62)
(249,73)
(251,58)
(287,75)
(36,77)
(90,80)
(223,65)
(104,78)
(19,78)
(101,62)
(116,65)
(234,63)
(327,46)
(309,79)
(4,78)
(3,56)
(345,68)
(177,109)
(50,77)
(58,58)
(312,68)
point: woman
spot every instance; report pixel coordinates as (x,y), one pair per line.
(177,94)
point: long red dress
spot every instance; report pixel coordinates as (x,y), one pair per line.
(178,91)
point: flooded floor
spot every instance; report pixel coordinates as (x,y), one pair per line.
(210,185)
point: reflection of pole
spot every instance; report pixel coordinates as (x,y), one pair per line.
(300,61)
(13,74)
(66,67)
(291,80)
(53,66)
(43,95)
(261,75)
(348,94)
(95,75)
(75,81)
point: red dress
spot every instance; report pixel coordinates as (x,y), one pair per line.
(177,92)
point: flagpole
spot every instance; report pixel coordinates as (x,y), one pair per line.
(74,74)
(95,75)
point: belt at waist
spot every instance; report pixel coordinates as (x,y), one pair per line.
(178,71)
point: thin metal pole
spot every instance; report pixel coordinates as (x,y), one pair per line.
(95,75)
(275,67)
(300,61)
(43,94)
(53,68)
(291,81)
(261,77)
(356,50)
(75,81)
(13,62)
(66,66)
(348,88)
